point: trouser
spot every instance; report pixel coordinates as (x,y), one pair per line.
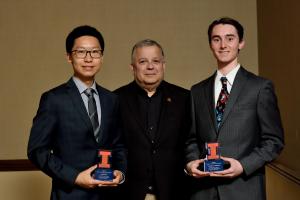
(150,197)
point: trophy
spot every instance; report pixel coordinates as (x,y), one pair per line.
(103,172)
(213,162)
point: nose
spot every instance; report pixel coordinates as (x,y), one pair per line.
(88,57)
(223,44)
(150,65)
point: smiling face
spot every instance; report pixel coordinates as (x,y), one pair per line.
(85,68)
(148,67)
(225,45)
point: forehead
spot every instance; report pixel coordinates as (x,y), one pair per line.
(86,41)
(146,51)
(223,30)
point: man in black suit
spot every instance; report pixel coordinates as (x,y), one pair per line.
(155,116)
(240,113)
(71,125)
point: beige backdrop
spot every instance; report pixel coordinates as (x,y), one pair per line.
(32,38)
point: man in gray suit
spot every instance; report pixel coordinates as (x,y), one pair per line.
(238,110)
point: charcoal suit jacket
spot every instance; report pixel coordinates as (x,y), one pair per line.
(62,141)
(250,132)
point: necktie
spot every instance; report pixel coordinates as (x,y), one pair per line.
(222,100)
(92,108)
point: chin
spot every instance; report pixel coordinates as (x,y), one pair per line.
(225,61)
(88,74)
(151,82)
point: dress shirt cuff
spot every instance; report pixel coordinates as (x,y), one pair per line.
(123,178)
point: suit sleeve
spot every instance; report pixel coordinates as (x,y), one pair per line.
(191,146)
(40,143)
(271,131)
(119,149)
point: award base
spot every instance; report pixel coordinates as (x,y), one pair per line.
(103,174)
(213,165)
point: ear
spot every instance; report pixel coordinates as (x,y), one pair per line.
(69,58)
(241,44)
(164,65)
(131,67)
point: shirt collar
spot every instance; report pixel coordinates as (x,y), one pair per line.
(230,76)
(82,87)
(140,90)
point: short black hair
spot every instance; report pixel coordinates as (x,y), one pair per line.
(83,31)
(226,20)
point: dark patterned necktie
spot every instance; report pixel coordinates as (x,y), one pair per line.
(222,100)
(92,108)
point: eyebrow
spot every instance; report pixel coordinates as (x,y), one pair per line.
(93,48)
(230,35)
(227,35)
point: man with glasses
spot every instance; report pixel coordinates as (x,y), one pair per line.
(76,119)
(155,118)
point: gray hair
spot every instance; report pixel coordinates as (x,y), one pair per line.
(145,43)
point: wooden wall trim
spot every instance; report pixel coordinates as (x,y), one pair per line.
(285,172)
(17,165)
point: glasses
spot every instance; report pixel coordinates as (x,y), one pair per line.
(82,53)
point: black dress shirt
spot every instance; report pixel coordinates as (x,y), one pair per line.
(150,107)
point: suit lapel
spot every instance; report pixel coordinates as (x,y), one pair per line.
(104,104)
(210,100)
(236,89)
(132,102)
(78,103)
(167,100)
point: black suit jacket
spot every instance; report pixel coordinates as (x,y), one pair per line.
(62,142)
(250,132)
(165,153)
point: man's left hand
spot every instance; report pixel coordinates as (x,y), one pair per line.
(118,176)
(234,170)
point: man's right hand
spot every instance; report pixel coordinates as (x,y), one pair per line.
(192,168)
(85,180)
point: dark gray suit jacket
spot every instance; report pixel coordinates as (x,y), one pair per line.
(62,142)
(250,132)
